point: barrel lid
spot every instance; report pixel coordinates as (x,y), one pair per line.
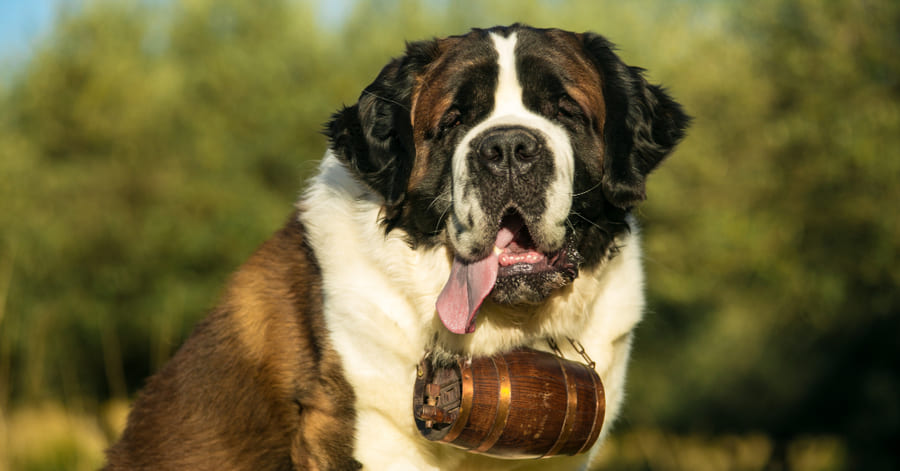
(437,396)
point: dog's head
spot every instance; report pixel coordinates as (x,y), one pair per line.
(520,149)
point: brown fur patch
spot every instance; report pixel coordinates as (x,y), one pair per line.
(584,84)
(431,98)
(257,385)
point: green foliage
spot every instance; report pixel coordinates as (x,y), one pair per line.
(146,149)
(773,251)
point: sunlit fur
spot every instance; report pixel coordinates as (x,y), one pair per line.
(379,306)
(380,290)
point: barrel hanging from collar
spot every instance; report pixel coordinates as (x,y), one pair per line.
(520,404)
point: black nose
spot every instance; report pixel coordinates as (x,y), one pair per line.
(506,150)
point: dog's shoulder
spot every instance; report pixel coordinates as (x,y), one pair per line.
(246,385)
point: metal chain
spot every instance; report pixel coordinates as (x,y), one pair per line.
(579,349)
(554,347)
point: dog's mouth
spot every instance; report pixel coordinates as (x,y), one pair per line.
(514,266)
(521,255)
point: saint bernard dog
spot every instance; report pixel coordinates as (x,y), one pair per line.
(476,199)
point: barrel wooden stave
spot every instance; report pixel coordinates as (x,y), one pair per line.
(483,412)
(526,404)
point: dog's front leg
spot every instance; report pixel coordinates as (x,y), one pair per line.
(324,439)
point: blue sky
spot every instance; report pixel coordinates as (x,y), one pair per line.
(21,22)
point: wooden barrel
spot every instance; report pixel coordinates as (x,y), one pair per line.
(521,404)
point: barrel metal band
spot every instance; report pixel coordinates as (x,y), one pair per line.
(465,405)
(599,412)
(568,424)
(503,404)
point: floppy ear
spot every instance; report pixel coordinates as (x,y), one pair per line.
(643,124)
(373,138)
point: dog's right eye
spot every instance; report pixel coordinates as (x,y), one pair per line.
(452,118)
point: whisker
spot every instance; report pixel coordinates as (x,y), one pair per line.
(440,219)
(443,196)
(591,222)
(587,191)
(439,198)
(366,92)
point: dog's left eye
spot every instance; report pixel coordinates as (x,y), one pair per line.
(567,108)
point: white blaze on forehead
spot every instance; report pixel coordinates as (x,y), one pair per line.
(509,110)
(508,100)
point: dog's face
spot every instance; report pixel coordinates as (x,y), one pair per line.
(520,149)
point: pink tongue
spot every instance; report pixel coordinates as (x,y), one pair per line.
(468,285)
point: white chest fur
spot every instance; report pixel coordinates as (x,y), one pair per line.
(379,299)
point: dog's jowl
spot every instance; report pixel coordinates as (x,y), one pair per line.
(474,204)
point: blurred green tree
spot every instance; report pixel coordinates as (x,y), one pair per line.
(774,272)
(149,150)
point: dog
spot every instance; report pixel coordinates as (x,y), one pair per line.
(476,199)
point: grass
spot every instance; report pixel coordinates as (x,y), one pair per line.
(649,449)
(51,437)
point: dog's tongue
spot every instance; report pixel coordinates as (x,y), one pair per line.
(469,284)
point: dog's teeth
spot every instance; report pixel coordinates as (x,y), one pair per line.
(497,250)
